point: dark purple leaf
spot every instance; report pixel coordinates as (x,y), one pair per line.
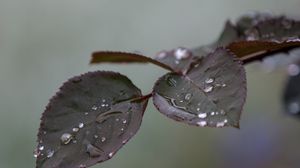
(212,93)
(89,120)
(122,57)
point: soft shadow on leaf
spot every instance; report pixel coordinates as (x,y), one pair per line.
(123,57)
(89,120)
(212,93)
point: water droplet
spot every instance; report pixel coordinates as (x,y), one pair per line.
(81,125)
(66,138)
(117,119)
(94,107)
(124,121)
(110,154)
(93,150)
(225,121)
(86,113)
(222,112)
(124,141)
(41,148)
(176,62)
(209,80)
(202,123)
(74,141)
(212,113)
(202,115)
(82,166)
(182,53)
(223,85)
(103,105)
(36,153)
(293,70)
(103,139)
(188,96)
(294,107)
(161,55)
(50,153)
(220,124)
(75,129)
(198,109)
(95,136)
(208,89)
(44,132)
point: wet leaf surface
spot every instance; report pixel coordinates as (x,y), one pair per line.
(212,93)
(88,120)
(122,57)
(291,96)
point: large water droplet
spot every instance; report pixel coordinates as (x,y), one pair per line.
(66,138)
(41,148)
(182,53)
(208,89)
(202,115)
(93,151)
(80,125)
(209,80)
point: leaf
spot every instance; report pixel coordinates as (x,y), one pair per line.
(89,120)
(248,51)
(212,93)
(178,59)
(291,96)
(122,57)
(268,27)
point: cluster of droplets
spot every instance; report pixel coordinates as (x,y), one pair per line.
(41,151)
(102,105)
(202,116)
(209,86)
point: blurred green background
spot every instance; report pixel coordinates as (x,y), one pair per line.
(45,42)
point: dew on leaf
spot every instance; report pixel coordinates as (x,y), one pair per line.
(208,89)
(110,154)
(182,53)
(66,138)
(209,80)
(103,139)
(41,148)
(75,129)
(80,125)
(50,153)
(202,115)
